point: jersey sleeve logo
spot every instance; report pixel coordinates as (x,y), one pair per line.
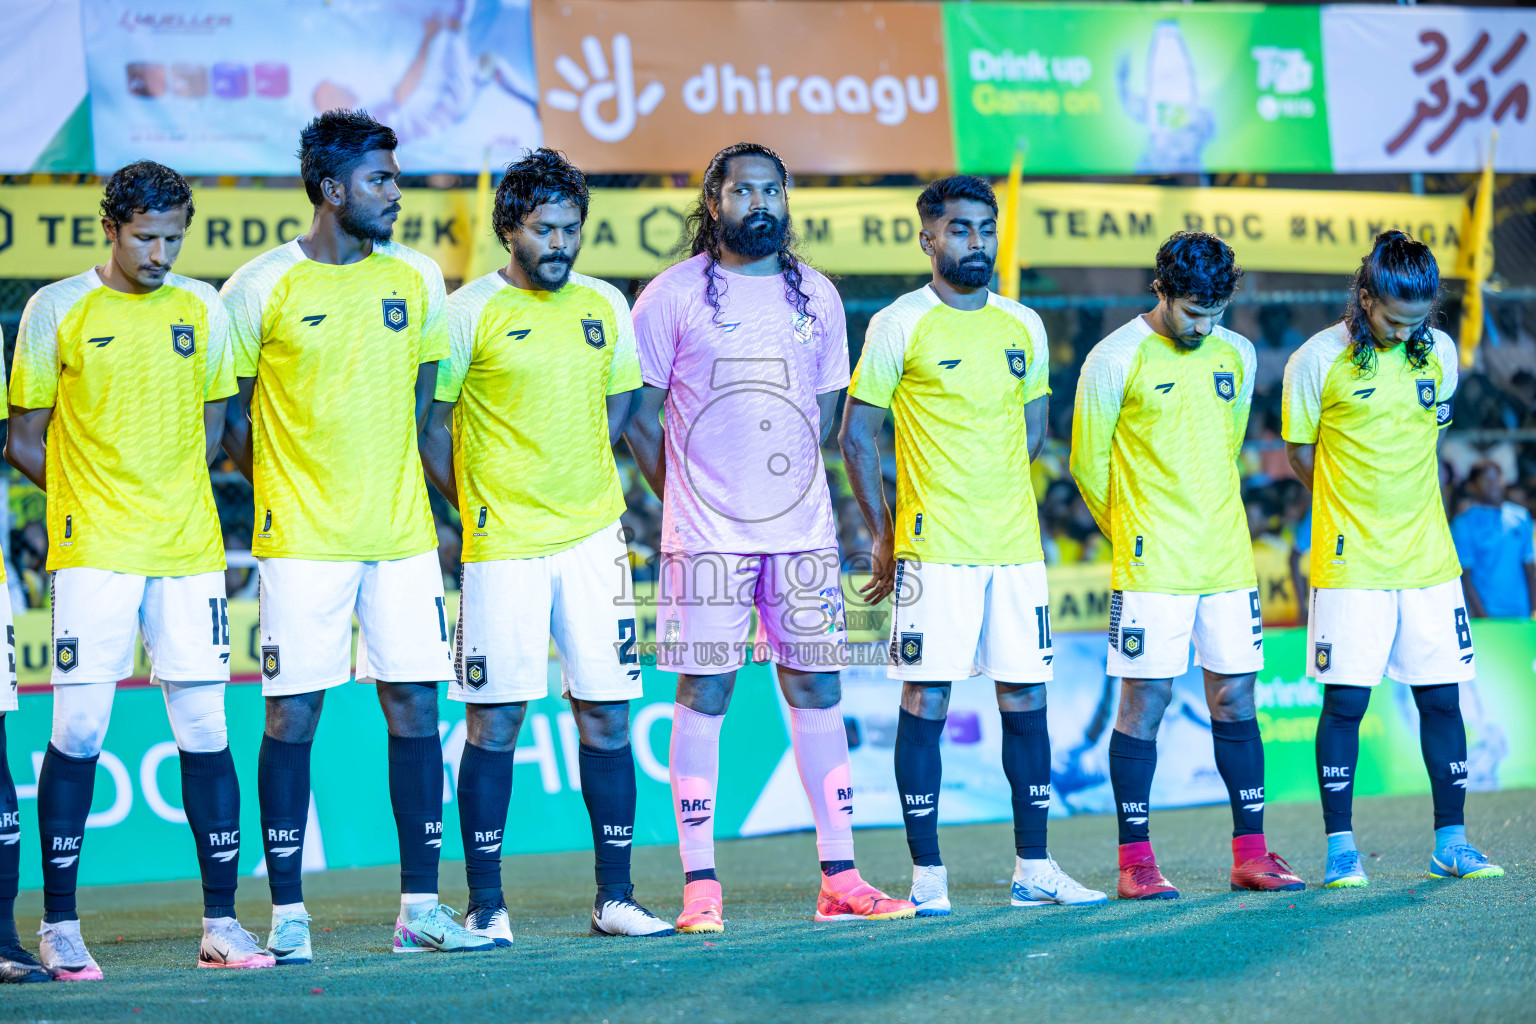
(1426,392)
(183,339)
(1017,361)
(395,316)
(592,330)
(1443,413)
(1226,385)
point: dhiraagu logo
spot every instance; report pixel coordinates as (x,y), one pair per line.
(601,83)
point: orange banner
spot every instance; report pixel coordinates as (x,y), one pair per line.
(662,85)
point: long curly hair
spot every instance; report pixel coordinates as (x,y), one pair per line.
(1397,267)
(704,230)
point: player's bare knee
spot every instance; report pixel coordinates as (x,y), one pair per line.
(495,727)
(1020,696)
(925,700)
(410,709)
(708,695)
(1142,703)
(1230,698)
(293,718)
(810,690)
(602,725)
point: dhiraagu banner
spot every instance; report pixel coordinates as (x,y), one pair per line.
(1120,88)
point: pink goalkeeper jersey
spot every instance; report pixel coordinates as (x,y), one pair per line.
(744,469)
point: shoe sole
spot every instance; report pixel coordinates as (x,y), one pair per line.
(707,928)
(30,978)
(1058,903)
(596,932)
(894,915)
(1288,887)
(1347,883)
(1479,873)
(249,965)
(1171,895)
(293,961)
(85,974)
(932,912)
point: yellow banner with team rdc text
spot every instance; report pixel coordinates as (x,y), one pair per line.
(54,231)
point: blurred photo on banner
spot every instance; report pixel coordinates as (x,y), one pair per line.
(225,88)
(1136,88)
(658,85)
(1420,88)
(44,118)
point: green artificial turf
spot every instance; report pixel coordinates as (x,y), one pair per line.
(1408,948)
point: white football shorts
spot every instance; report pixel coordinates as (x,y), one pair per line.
(1419,637)
(98,614)
(953,622)
(306,623)
(510,608)
(1149,633)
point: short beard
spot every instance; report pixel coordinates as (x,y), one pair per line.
(965,273)
(354,223)
(532,262)
(1184,345)
(756,236)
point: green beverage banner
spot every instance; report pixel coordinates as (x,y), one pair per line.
(1119,88)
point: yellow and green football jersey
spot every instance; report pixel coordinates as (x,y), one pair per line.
(1155,437)
(957,382)
(335,351)
(1377,518)
(127,377)
(530,372)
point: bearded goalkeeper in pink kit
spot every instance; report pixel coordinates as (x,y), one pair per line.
(746,349)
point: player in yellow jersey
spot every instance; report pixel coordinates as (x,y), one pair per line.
(1363,406)
(535,391)
(125,370)
(964,370)
(1162,406)
(336,336)
(17,965)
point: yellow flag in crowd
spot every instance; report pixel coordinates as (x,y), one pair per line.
(1008,237)
(1475,262)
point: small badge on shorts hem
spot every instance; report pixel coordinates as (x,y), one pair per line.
(474,672)
(911,649)
(66,653)
(270,664)
(1322,657)
(1133,640)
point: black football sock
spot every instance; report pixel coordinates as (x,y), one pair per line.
(416,794)
(1132,763)
(282,789)
(10,847)
(919,769)
(1338,752)
(608,787)
(485,792)
(1443,739)
(1240,760)
(704,874)
(64,790)
(210,792)
(835,867)
(1027,763)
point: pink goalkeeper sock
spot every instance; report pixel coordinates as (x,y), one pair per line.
(821,754)
(695,771)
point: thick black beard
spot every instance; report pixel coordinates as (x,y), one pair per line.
(531,264)
(965,273)
(359,226)
(759,234)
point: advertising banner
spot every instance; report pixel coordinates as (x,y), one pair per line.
(225,89)
(137,830)
(658,85)
(44,118)
(1136,88)
(1421,88)
(55,231)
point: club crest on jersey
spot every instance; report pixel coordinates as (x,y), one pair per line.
(803,323)
(1133,641)
(1017,361)
(183,339)
(910,648)
(66,653)
(395,316)
(1443,413)
(1322,657)
(270,665)
(592,330)
(474,672)
(1426,390)
(1226,386)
